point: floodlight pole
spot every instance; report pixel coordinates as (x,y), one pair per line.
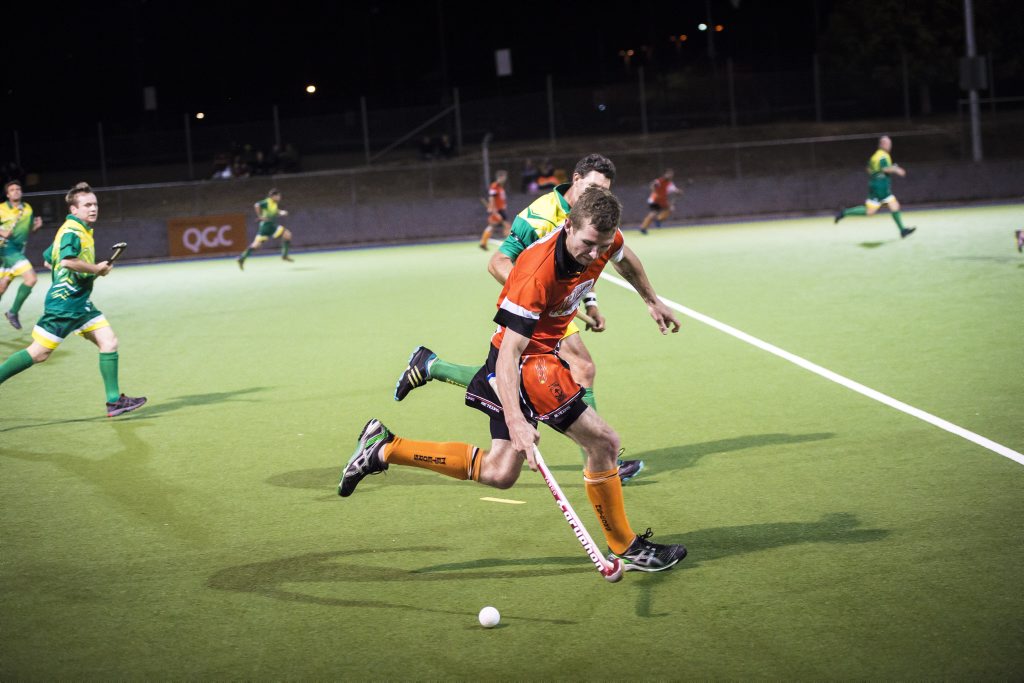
(972,51)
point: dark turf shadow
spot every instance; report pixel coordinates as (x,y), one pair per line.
(325,479)
(123,476)
(151,409)
(193,400)
(350,566)
(987,259)
(875,245)
(709,545)
(688,455)
(269,579)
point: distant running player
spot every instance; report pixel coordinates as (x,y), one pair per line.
(533,384)
(497,209)
(68,307)
(268,211)
(880,168)
(17,221)
(659,202)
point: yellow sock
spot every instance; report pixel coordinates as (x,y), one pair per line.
(452,459)
(604,489)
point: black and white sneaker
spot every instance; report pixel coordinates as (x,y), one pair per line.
(366,460)
(12,318)
(416,373)
(644,556)
(906,232)
(125,404)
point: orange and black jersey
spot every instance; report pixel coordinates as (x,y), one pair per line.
(545,288)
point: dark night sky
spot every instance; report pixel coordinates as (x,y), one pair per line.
(201,56)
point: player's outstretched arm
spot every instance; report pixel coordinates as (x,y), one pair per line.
(632,270)
(500,266)
(506,375)
(81,266)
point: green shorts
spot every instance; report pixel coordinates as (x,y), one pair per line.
(52,328)
(880,191)
(268,230)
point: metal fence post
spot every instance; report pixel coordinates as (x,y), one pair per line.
(551,110)
(366,128)
(458,121)
(103,154)
(817,88)
(277,128)
(188,149)
(643,101)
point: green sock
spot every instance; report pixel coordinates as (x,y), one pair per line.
(459,375)
(899,219)
(859,210)
(19,299)
(108,369)
(588,397)
(285,246)
(245,254)
(14,364)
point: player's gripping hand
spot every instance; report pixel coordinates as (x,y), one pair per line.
(596,316)
(524,435)
(663,315)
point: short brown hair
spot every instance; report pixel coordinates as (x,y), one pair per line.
(598,206)
(80,188)
(17,182)
(595,162)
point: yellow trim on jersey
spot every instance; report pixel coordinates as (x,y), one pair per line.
(571,330)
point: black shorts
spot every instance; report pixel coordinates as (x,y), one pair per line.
(480,395)
(654,206)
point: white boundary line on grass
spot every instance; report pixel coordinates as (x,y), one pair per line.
(835,377)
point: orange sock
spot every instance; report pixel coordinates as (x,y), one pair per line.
(486,236)
(452,459)
(604,489)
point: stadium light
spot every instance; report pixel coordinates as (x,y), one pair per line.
(702,27)
(311,88)
(200,115)
(719,28)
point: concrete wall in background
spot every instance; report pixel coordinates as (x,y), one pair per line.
(412,220)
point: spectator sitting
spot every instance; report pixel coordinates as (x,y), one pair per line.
(547,179)
(445,147)
(528,177)
(426,148)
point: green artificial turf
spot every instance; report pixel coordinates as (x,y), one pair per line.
(830,535)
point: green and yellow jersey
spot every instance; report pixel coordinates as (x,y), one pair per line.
(268,211)
(541,217)
(70,290)
(880,185)
(19,221)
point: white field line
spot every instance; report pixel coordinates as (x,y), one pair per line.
(837,378)
(503,500)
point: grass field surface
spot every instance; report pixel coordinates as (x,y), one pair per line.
(830,535)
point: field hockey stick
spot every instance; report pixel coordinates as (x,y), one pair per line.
(118,249)
(610,570)
(585,318)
